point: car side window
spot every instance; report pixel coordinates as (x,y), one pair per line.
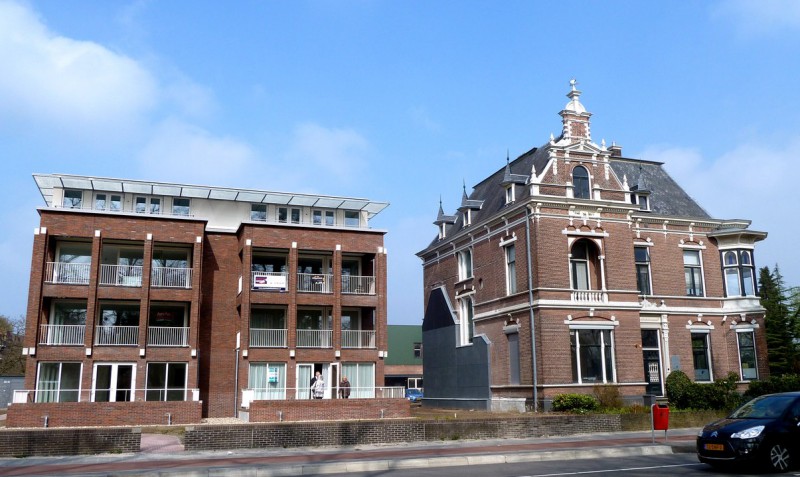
(794,412)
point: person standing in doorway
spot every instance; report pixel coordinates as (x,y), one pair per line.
(344,388)
(318,388)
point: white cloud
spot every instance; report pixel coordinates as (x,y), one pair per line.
(761,16)
(328,152)
(750,181)
(185,153)
(421,117)
(75,87)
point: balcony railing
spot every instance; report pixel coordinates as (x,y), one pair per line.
(167,336)
(67,273)
(121,275)
(22,396)
(277,393)
(358,339)
(314,338)
(66,335)
(171,277)
(117,336)
(589,296)
(358,285)
(314,282)
(267,338)
(270,281)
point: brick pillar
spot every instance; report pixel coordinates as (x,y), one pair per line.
(336,312)
(194,309)
(291,309)
(33,316)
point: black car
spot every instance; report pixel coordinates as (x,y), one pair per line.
(765,430)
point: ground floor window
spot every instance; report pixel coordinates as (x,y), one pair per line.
(268,380)
(58,382)
(592,356)
(701,357)
(747,354)
(362,379)
(113,382)
(166,382)
(513,358)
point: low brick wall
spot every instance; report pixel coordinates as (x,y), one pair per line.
(344,433)
(53,442)
(88,414)
(328,410)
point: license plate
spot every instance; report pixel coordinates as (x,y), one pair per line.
(714,447)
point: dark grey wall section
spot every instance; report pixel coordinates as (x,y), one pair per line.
(9,384)
(455,376)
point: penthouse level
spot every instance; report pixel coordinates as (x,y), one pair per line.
(210,298)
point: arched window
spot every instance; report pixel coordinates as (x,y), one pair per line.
(580,183)
(584,264)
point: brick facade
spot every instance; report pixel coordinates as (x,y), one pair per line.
(119,266)
(577,246)
(323,410)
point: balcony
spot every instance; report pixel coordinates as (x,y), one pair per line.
(589,296)
(121,275)
(358,285)
(358,339)
(314,282)
(116,336)
(67,273)
(171,277)
(314,338)
(267,338)
(62,335)
(270,281)
(176,336)
(278,393)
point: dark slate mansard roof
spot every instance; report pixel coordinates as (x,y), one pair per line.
(667,198)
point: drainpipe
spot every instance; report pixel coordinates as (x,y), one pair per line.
(530,306)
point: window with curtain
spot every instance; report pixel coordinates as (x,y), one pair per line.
(700,357)
(267,380)
(58,382)
(579,261)
(362,379)
(747,354)
(592,355)
(642,258)
(467,314)
(511,269)
(693,272)
(465,264)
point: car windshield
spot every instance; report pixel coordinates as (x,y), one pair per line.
(763,407)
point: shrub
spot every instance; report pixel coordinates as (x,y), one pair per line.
(775,384)
(608,396)
(719,395)
(576,403)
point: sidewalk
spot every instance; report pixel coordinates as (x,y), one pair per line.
(163,458)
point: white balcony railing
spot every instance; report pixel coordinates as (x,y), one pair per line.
(67,273)
(267,338)
(168,336)
(171,277)
(91,395)
(358,339)
(314,338)
(314,282)
(121,275)
(589,296)
(66,335)
(358,285)
(117,336)
(276,393)
(270,281)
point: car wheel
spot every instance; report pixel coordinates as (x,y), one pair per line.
(779,459)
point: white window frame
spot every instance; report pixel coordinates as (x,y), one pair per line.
(72,205)
(752,333)
(112,391)
(577,355)
(649,269)
(510,194)
(465,264)
(276,392)
(512,286)
(39,392)
(329,219)
(699,253)
(707,337)
(166,389)
(255,215)
(188,206)
(357,218)
(466,314)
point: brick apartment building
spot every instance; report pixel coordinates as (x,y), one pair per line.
(574,266)
(154,302)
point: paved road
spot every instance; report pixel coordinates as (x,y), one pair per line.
(354,460)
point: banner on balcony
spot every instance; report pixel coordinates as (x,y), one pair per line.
(273,375)
(271,282)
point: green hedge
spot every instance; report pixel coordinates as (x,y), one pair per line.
(683,393)
(775,384)
(576,403)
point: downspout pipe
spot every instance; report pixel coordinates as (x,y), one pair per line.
(528,253)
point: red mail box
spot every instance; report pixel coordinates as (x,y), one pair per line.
(660,417)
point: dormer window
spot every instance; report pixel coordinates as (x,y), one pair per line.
(258,212)
(644,202)
(73,199)
(442,231)
(580,183)
(510,194)
(467,217)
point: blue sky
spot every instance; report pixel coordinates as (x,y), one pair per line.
(395,101)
